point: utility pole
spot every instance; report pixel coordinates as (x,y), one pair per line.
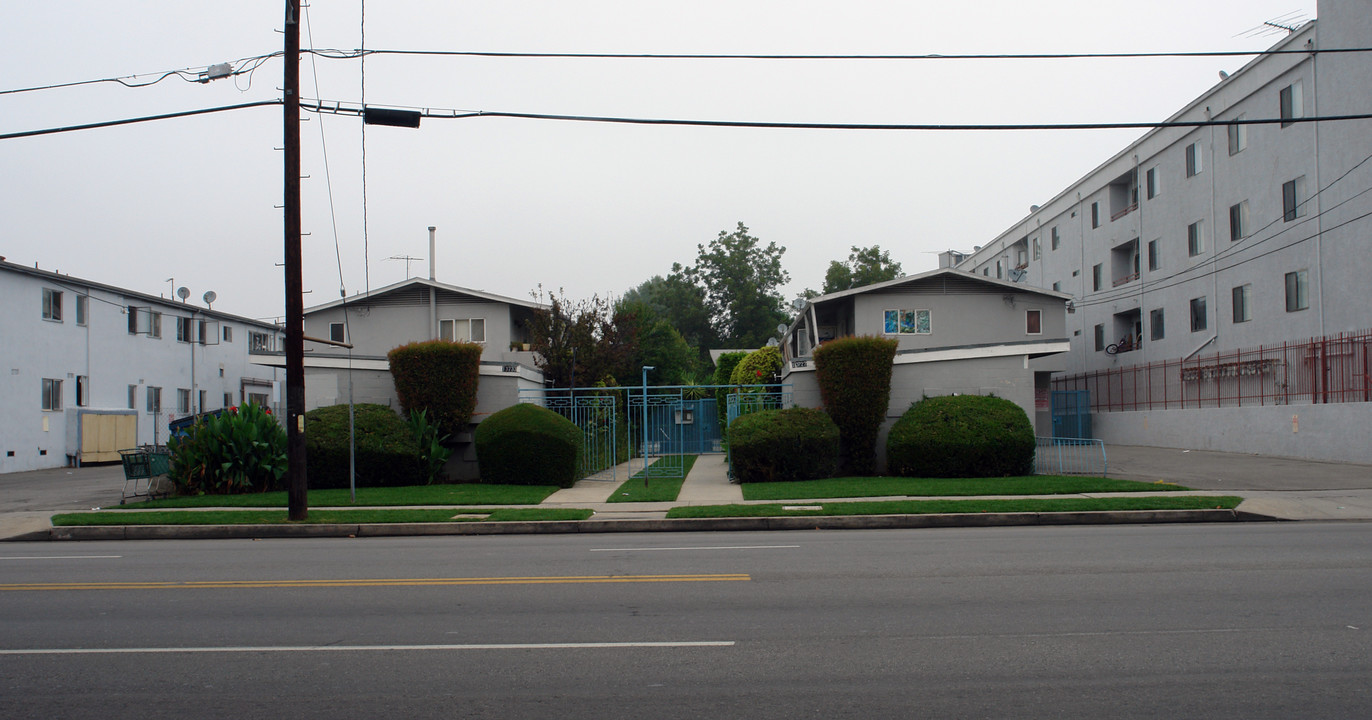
(295,299)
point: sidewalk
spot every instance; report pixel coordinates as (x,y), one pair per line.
(1277,488)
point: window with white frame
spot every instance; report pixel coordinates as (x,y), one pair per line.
(52,305)
(1242,296)
(228,334)
(183,401)
(52,394)
(1096,277)
(1095,214)
(1238,137)
(155,325)
(1291,103)
(1156,328)
(906,322)
(467,330)
(133,397)
(1100,338)
(1194,163)
(154,400)
(1033,322)
(1153,254)
(83,391)
(1195,238)
(1297,290)
(260,342)
(1056,239)
(184,330)
(1293,199)
(228,400)
(1153,182)
(83,303)
(1038,250)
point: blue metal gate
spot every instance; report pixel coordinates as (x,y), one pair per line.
(656,429)
(597,416)
(1071,413)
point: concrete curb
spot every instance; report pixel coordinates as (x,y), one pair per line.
(821,522)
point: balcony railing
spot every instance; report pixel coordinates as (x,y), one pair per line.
(1126,279)
(1124,212)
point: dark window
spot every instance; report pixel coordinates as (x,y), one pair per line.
(1198,320)
(1242,312)
(1155,324)
(1100,338)
(1297,291)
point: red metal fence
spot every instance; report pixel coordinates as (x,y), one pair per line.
(1331,369)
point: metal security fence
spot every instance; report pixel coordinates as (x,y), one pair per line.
(751,399)
(597,416)
(1070,456)
(1332,369)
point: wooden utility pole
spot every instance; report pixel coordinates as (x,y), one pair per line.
(297,483)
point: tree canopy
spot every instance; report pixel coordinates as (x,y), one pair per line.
(741,280)
(865,266)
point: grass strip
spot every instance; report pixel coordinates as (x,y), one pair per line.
(656,489)
(316,517)
(928,507)
(916,487)
(459,494)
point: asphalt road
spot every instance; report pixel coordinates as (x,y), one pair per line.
(1241,621)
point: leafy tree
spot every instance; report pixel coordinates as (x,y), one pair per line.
(681,303)
(740,279)
(865,266)
(658,344)
(585,340)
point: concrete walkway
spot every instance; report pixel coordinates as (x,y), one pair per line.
(706,484)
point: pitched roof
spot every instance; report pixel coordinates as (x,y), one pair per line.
(404,285)
(960,275)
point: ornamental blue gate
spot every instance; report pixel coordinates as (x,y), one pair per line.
(598,417)
(1071,413)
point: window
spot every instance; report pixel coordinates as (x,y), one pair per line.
(1198,322)
(1193,159)
(184,333)
(1095,214)
(1056,238)
(1293,199)
(154,400)
(133,319)
(1095,277)
(259,342)
(83,391)
(155,326)
(228,334)
(1297,291)
(1152,254)
(1292,103)
(473,330)
(1000,271)
(1057,287)
(228,400)
(1033,322)
(1195,238)
(1242,312)
(1238,221)
(1238,137)
(52,394)
(133,397)
(1152,180)
(83,303)
(183,401)
(200,406)
(336,332)
(1038,251)
(1156,329)
(52,305)
(1100,338)
(906,322)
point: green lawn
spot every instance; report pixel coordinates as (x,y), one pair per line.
(657,489)
(463,494)
(923,507)
(917,487)
(316,517)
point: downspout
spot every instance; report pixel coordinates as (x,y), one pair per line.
(433,292)
(1318,184)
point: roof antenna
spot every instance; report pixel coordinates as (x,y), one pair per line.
(1290,23)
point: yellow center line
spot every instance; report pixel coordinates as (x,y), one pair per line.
(373,582)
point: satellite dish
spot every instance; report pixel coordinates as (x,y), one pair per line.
(781,328)
(798,303)
(1224,75)
(209,297)
(183,292)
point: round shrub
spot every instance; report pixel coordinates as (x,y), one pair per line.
(854,376)
(387,453)
(759,367)
(526,444)
(781,445)
(961,436)
(236,450)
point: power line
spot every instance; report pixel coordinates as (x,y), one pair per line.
(199,74)
(347,54)
(130,121)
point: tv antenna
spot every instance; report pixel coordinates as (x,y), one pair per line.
(407,260)
(1288,23)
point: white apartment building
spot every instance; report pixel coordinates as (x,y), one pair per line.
(1195,242)
(87,369)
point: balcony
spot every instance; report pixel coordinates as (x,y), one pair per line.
(1126,279)
(1128,209)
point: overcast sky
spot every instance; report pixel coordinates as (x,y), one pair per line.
(589,208)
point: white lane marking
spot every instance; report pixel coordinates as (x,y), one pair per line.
(721,547)
(1099,633)
(365,648)
(62,557)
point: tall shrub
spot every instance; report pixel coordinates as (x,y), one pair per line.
(854,375)
(724,373)
(961,436)
(439,377)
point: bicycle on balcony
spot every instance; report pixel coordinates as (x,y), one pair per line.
(1128,343)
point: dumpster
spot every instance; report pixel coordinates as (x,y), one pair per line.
(143,465)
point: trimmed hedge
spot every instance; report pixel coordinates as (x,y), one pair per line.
(387,453)
(759,367)
(440,377)
(961,436)
(526,444)
(781,445)
(854,376)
